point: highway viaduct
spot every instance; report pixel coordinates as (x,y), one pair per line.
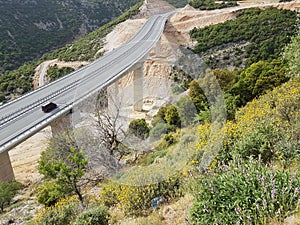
(23,117)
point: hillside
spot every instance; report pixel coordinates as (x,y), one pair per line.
(87,48)
(214,144)
(31,28)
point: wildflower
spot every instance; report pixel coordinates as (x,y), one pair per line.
(273,194)
(258,177)
(277,213)
(206,209)
(296,192)
(257,207)
(263,181)
(249,219)
(272,179)
(264,203)
(237,210)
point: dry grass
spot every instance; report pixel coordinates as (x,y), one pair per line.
(291,220)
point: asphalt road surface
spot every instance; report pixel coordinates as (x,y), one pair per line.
(23,117)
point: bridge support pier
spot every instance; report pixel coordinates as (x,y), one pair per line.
(6,170)
(114,101)
(138,75)
(61,124)
(158,47)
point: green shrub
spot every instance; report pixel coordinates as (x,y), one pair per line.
(225,78)
(2,98)
(211,4)
(7,191)
(168,140)
(172,116)
(62,213)
(258,143)
(54,72)
(158,130)
(139,128)
(97,216)
(291,55)
(267,32)
(167,114)
(65,175)
(157,154)
(187,110)
(231,105)
(244,193)
(257,79)
(197,96)
(50,192)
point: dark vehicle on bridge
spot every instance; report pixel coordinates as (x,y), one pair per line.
(49,107)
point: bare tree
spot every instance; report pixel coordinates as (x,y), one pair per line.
(111,130)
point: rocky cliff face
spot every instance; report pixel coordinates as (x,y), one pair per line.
(158,68)
(152,7)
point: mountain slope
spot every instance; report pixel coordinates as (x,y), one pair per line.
(31,28)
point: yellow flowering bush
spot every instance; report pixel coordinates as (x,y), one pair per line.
(63,212)
(136,197)
(268,127)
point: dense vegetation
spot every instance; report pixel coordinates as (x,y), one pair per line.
(240,181)
(211,4)
(53,72)
(31,28)
(239,87)
(63,176)
(178,3)
(257,79)
(87,48)
(253,177)
(291,55)
(8,190)
(262,33)
(18,82)
(246,193)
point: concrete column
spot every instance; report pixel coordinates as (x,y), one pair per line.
(61,124)
(103,98)
(138,75)
(157,48)
(114,103)
(6,170)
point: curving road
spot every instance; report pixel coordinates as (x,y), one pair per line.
(21,118)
